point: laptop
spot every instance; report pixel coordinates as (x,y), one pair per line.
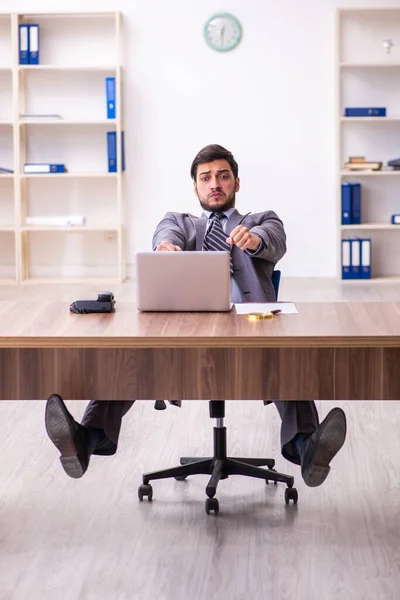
(183,281)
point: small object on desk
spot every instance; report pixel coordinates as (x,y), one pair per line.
(285,308)
(258,316)
(105,303)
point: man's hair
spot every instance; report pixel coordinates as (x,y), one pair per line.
(210,153)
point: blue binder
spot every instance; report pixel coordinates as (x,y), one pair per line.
(356,203)
(33,168)
(23,45)
(365,258)
(34,44)
(112,151)
(355,258)
(395,220)
(123,150)
(346,259)
(110,96)
(346,203)
(368,111)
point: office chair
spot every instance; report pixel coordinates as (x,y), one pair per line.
(220,466)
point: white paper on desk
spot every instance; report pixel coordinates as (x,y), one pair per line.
(286,308)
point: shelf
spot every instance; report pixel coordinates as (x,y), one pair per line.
(94,68)
(50,121)
(6,176)
(7,281)
(103,281)
(7,228)
(68,175)
(384,279)
(368,65)
(10,123)
(51,15)
(74,228)
(382,173)
(371,226)
(369,119)
(5,69)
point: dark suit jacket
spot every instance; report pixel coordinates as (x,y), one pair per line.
(252,272)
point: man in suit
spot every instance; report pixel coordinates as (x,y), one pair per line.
(256,243)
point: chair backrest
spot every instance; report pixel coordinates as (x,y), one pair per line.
(276,278)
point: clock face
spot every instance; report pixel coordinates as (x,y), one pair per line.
(223,32)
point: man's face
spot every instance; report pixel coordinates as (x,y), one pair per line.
(216,186)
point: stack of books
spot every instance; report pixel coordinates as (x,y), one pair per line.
(358,163)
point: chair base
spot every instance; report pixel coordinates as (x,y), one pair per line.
(220,466)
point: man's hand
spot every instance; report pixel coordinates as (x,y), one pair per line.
(244,239)
(168,247)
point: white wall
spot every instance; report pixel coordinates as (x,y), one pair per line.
(271,102)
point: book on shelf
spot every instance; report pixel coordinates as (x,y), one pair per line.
(358,163)
(395,220)
(4,170)
(31,168)
(64,221)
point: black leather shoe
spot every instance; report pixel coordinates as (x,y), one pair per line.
(321,446)
(69,437)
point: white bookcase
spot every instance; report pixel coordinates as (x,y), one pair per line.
(77,52)
(369,76)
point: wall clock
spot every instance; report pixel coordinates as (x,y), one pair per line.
(222,32)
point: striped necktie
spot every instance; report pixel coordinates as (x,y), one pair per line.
(215,238)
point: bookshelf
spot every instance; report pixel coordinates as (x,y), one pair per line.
(77,52)
(369,75)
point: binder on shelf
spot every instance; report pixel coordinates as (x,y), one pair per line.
(112,151)
(110,96)
(395,220)
(368,111)
(355,203)
(67,221)
(355,258)
(34,44)
(365,258)
(44,168)
(23,45)
(346,203)
(123,150)
(346,263)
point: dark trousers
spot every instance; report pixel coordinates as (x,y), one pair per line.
(297,417)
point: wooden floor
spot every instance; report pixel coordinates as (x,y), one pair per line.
(64,539)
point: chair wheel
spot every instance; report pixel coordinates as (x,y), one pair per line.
(180,477)
(291,494)
(212,504)
(145,490)
(267,480)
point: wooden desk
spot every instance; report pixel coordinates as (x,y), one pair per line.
(328,351)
